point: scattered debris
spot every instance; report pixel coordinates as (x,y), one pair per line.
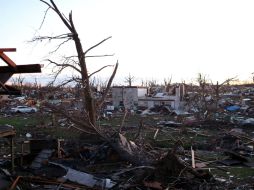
(149,144)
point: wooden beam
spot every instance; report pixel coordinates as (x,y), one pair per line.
(4,77)
(15,183)
(7,49)
(7,60)
(33,68)
(9,90)
(7,133)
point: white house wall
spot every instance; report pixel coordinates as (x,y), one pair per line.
(142,92)
(127,95)
(133,96)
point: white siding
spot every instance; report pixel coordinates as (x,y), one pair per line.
(127,95)
(142,92)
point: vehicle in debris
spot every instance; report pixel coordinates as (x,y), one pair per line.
(24,109)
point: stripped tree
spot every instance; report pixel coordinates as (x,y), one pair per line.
(206,95)
(78,64)
(91,104)
(217,88)
(129,79)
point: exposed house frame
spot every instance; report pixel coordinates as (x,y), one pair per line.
(9,132)
(151,102)
(6,72)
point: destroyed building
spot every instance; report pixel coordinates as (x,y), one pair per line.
(173,99)
(134,96)
(127,96)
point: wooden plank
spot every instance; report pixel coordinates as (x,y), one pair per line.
(7,60)
(6,130)
(33,68)
(18,92)
(7,133)
(7,49)
(9,90)
(15,183)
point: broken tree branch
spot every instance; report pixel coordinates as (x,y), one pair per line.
(44,17)
(108,86)
(100,70)
(106,55)
(94,46)
(64,65)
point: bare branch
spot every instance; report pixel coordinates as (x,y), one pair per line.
(70,57)
(77,80)
(58,37)
(60,68)
(65,83)
(86,127)
(100,70)
(66,17)
(71,60)
(44,17)
(65,21)
(107,55)
(89,49)
(48,4)
(55,76)
(229,80)
(70,80)
(65,65)
(108,85)
(58,46)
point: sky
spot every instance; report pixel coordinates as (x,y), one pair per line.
(151,39)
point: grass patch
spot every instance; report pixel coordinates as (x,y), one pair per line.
(24,122)
(235,172)
(20,121)
(241,172)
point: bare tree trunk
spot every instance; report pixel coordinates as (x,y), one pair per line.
(81,67)
(88,99)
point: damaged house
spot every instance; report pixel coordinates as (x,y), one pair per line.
(127,96)
(172,99)
(133,96)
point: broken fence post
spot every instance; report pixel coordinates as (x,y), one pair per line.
(59,155)
(155,134)
(193,158)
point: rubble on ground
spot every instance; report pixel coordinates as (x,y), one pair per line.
(159,147)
